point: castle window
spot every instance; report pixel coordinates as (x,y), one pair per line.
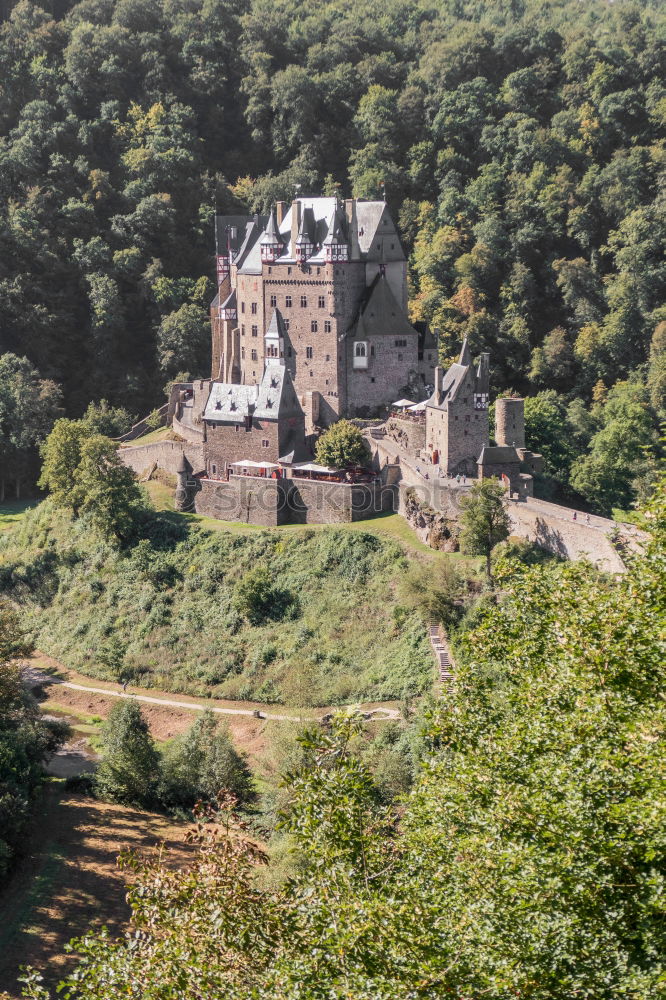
(242,329)
(327,326)
(321,302)
(311,374)
(242,307)
(313,326)
(401,343)
(288,270)
(273,301)
(360,354)
(254,308)
(255,331)
(372,379)
(318,270)
(286,324)
(400,357)
(304,300)
(308,352)
(254,356)
(372,350)
(287,301)
(265,443)
(328,357)
(243,353)
(237,428)
(214,469)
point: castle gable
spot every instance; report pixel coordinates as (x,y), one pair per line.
(380,315)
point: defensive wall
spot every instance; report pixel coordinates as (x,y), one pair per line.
(164,454)
(433,507)
(272,502)
(143,426)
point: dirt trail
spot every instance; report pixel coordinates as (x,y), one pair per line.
(37,677)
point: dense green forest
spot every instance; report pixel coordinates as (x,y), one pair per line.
(522,149)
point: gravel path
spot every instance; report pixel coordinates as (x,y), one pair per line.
(36,678)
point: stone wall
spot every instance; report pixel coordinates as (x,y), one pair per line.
(136,430)
(409,434)
(249,499)
(554,529)
(271,502)
(163,454)
(314,502)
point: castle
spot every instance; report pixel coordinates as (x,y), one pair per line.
(320,288)
(309,324)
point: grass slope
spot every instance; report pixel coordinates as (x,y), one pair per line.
(167,604)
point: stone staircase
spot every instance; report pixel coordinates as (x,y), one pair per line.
(440,648)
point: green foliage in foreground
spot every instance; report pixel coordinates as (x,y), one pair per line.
(24,741)
(166,612)
(529,860)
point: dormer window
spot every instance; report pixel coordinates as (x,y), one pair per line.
(270,252)
(218,405)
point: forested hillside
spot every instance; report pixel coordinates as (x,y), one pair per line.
(521,145)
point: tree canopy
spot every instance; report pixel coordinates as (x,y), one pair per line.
(342,445)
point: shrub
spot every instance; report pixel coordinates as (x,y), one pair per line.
(129,770)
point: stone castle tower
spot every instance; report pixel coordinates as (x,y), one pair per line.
(457,415)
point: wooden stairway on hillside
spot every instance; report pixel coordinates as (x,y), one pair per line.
(440,648)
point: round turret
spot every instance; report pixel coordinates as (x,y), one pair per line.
(510,422)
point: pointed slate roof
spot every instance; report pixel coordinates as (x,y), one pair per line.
(230,301)
(276,396)
(380,314)
(465,357)
(336,229)
(276,329)
(271,234)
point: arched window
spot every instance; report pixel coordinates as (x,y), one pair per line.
(360,350)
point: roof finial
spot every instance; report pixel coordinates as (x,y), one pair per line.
(465,356)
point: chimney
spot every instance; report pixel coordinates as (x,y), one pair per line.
(295,224)
(280,211)
(439,375)
(350,212)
